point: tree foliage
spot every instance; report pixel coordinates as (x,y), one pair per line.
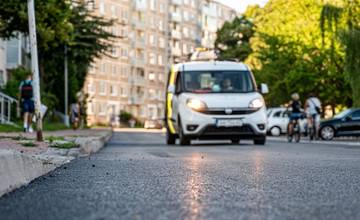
(292,54)
(345,17)
(233,39)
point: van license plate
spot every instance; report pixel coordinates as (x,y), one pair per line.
(229,123)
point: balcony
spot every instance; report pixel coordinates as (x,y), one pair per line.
(138,62)
(175,52)
(175,17)
(138,43)
(176,2)
(176,34)
(137,81)
(136,100)
(138,24)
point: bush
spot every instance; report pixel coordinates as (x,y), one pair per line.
(125,116)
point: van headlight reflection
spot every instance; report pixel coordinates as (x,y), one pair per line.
(257,103)
(196,105)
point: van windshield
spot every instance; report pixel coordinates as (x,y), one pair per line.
(218,82)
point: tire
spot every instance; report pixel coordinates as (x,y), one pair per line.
(235,140)
(327,133)
(275,131)
(260,140)
(184,140)
(170,138)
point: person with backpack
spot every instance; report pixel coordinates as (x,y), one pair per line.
(27,102)
(313,111)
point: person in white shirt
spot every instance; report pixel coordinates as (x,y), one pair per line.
(313,111)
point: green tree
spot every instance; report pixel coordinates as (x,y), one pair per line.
(341,22)
(233,39)
(289,55)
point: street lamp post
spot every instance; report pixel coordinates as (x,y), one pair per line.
(66,101)
(35,68)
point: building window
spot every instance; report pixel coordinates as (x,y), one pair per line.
(152,39)
(113,10)
(152,58)
(124,53)
(102,8)
(102,88)
(152,76)
(114,69)
(161,77)
(102,108)
(161,42)
(153,5)
(103,67)
(91,88)
(123,92)
(160,60)
(162,8)
(113,91)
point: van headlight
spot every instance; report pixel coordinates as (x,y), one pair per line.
(196,105)
(257,103)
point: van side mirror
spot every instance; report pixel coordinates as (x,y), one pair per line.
(171,89)
(264,89)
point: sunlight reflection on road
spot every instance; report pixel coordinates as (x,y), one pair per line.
(194,186)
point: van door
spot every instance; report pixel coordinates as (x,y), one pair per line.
(175,100)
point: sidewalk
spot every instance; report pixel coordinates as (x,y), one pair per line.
(22,159)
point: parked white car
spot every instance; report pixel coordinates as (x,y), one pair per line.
(278,120)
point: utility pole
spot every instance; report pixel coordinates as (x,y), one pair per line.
(35,68)
(66,101)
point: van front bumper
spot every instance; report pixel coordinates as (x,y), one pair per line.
(203,126)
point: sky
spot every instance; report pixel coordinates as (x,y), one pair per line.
(240,5)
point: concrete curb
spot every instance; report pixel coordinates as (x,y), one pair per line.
(19,169)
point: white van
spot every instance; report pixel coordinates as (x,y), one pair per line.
(214,100)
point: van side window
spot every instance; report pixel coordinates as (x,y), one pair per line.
(277,114)
(178,84)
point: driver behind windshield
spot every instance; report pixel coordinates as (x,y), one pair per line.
(226,85)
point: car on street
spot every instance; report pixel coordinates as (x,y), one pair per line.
(278,120)
(346,123)
(214,100)
(153,124)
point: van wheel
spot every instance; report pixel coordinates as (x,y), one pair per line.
(235,140)
(184,140)
(260,140)
(170,138)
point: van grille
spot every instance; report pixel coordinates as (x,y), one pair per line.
(235,111)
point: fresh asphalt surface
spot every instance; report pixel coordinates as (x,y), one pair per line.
(138,177)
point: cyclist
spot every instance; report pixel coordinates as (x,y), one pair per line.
(313,111)
(296,114)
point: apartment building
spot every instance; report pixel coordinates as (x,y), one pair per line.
(153,34)
(2,62)
(13,53)
(214,15)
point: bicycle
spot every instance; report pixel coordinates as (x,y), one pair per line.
(296,131)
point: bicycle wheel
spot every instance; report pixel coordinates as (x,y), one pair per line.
(297,133)
(289,136)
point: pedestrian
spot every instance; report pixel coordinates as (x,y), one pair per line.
(75,115)
(313,111)
(26,100)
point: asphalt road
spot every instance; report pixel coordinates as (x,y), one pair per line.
(138,177)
